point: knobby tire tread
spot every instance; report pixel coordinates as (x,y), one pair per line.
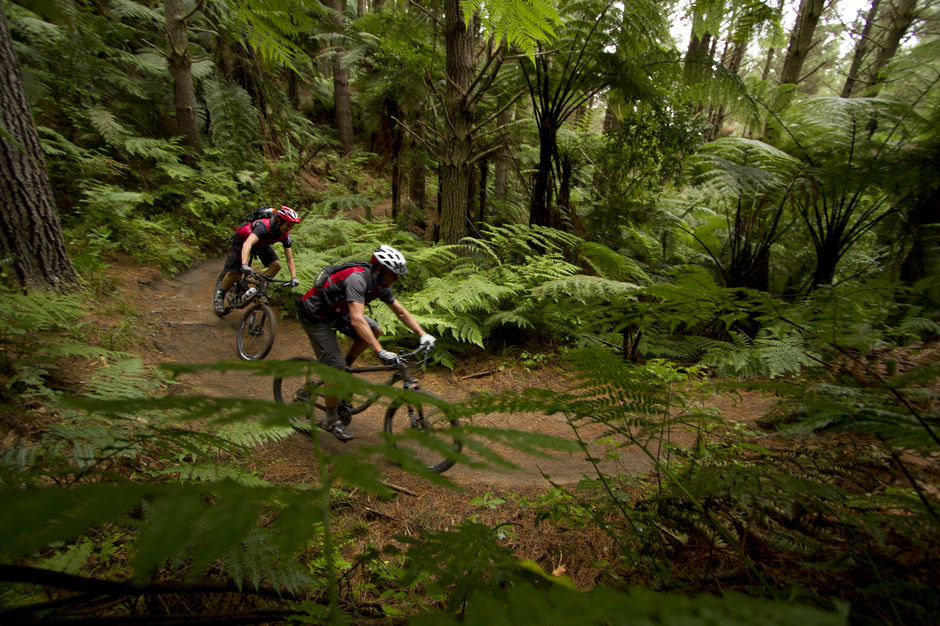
(270,328)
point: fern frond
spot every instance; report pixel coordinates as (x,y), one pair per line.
(585,289)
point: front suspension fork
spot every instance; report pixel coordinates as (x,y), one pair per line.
(412,385)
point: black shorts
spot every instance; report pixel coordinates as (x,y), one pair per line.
(233,263)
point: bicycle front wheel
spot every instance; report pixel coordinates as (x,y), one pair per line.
(256,333)
(424,433)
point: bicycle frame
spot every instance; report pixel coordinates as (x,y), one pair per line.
(401,371)
(261,282)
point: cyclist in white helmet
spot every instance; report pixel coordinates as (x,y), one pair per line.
(338,304)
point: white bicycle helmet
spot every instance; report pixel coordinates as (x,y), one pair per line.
(390,258)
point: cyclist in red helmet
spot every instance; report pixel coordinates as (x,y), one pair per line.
(339,305)
(254,239)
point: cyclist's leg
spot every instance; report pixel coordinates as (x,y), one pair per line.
(233,265)
(269,259)
(358,346)
(323,340)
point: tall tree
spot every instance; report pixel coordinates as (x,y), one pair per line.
(180,61)
(801,40)
(900,18)
(457,137)
(342,107)
(853,82)
(30,234)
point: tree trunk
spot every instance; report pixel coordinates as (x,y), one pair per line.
(501,162)
(540,209)
(180,61)
(31,241)
(457,141)
(342,107)
(417,187)
(484,176)
(853,81)
(801,40)
(901,18)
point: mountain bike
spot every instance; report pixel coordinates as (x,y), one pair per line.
(258,326)
(420,428)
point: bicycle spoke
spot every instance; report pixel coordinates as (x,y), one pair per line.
(424,433)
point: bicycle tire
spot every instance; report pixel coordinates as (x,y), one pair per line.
(299,389)
(228,298)
(256,333)
(428,419)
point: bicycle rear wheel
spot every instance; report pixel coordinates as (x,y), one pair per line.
(424,432)
(256,333)
(228,298)
(300,389)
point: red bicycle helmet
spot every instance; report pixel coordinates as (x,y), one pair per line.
(287,214)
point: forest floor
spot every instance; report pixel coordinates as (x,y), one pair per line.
(181,327)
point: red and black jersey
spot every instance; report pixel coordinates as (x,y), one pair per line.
(265,232)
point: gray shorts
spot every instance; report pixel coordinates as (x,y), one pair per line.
(322,337)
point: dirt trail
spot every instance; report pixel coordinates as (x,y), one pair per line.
(186,330)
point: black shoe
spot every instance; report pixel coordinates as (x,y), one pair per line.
(337,430)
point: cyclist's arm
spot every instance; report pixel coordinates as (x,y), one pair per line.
(357,317)
(406,318)
(246,247)
(290,262)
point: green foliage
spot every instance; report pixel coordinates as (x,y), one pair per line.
(235,130)
(522,24)
(529,604)
(37,331)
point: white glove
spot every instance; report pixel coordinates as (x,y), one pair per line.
(246,269)
(388,358)
(293,282)
(427,340)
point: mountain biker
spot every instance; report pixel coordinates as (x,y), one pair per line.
(340,306)
(254,239)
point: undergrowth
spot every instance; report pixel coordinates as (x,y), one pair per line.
(830,518)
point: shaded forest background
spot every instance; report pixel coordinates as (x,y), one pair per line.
(752,206)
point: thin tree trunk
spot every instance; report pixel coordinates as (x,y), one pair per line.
(31,240)
(342,107)
(853,80)
(801,40)
(180,61)
(484,176)
(501,162)
(901,19)
(540,210)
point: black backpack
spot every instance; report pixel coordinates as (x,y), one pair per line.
(329,270)
(260,213)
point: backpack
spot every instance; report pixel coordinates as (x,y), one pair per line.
(259,214)
(324,274)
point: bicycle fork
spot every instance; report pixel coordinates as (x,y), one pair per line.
(412,385)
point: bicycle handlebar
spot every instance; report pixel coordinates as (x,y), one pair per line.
(267,279)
